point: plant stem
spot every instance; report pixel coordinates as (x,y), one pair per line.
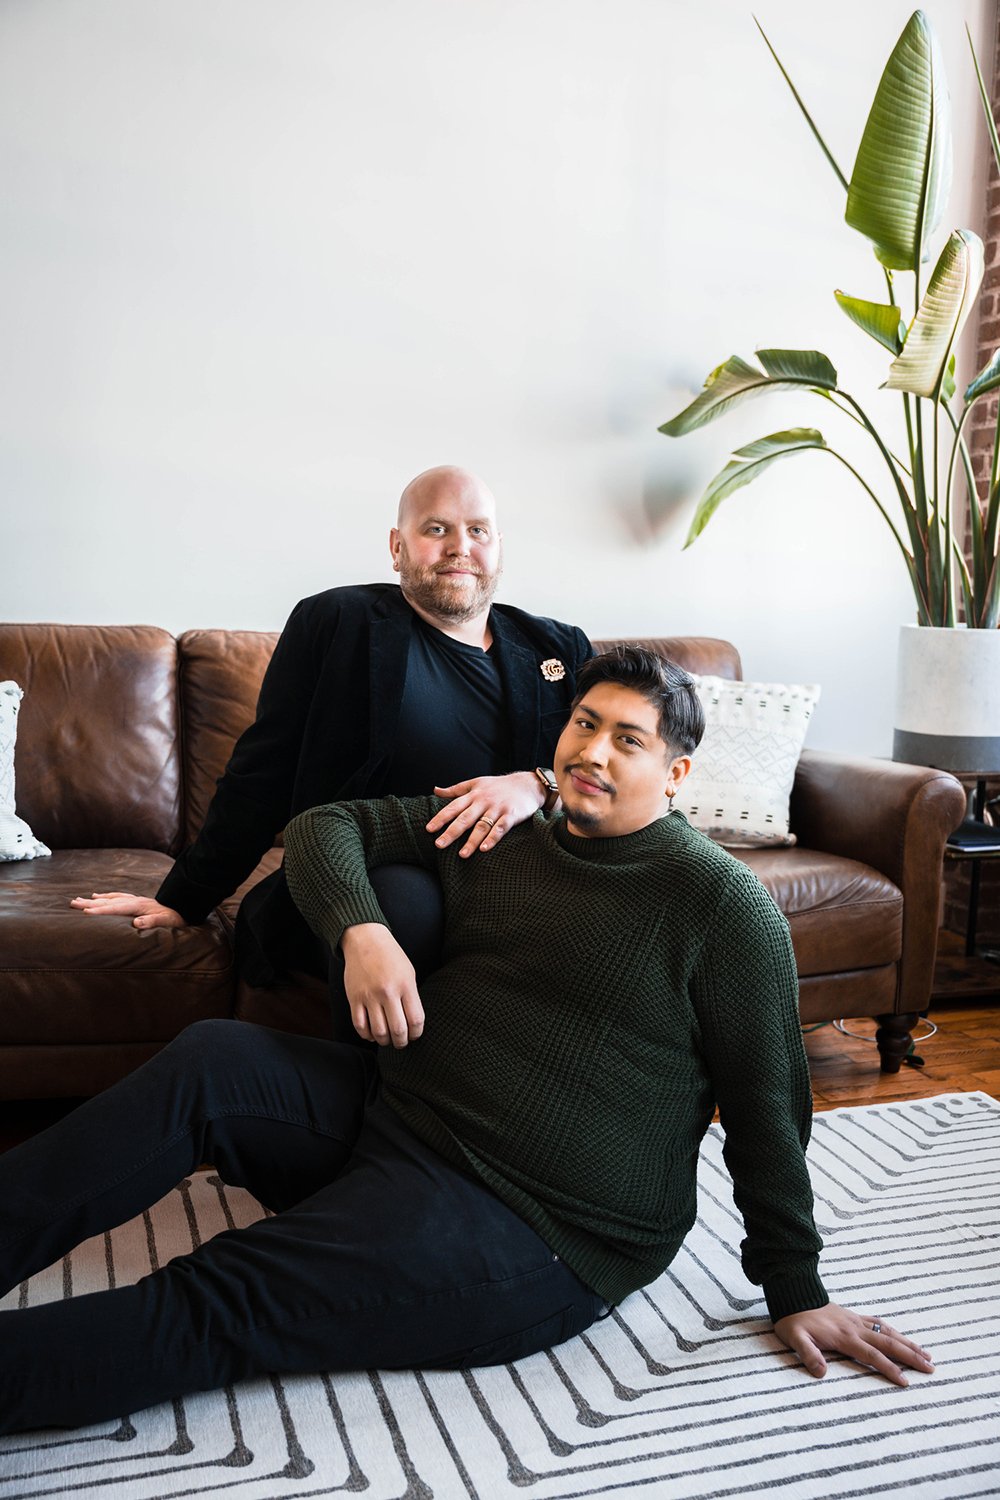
(949,487)
(918,540)
(981,530)
(867,487)
(970,477)
(922,611)
(948,600)
(870,427)
(808,117)
(909,432)
(831,397)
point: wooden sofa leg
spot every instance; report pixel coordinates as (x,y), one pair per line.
(893,1038)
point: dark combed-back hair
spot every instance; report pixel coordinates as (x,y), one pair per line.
(681,719)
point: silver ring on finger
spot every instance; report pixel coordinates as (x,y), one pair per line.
(876,1326)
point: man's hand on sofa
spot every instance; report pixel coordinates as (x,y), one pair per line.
(144,911)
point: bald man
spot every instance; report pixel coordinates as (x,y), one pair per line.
(376,689)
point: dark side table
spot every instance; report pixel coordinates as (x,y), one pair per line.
(975,840)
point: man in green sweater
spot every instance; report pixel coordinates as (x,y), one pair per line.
(485,1185)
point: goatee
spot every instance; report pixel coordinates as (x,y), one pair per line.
(447,597)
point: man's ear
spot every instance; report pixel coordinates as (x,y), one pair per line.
(676,773)
(394,546)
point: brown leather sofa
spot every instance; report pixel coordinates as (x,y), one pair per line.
(123,732)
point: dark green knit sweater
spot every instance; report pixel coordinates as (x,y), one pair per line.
(596,999)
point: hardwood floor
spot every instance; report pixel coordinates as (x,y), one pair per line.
(963,1055)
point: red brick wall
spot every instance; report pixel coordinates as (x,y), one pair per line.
(982,429)
(982,424)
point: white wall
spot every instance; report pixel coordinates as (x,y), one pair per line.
(263,260)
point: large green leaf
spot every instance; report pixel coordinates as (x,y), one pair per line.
(902,174)
(736,380)
(744,467)
(922,366)
(727,384)
(987,380)
(879,319)
(799,364)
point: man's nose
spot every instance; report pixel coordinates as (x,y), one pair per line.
(458,546)
(595,751)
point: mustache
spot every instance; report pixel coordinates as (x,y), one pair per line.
(589,776)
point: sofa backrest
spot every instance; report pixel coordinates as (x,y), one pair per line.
(97,758)
(117,718)
(704,654)
(220,676)
(221,672)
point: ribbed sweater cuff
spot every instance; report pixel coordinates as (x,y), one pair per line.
(794,1293)
(350,913)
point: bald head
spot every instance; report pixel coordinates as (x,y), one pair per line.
(445,547)
(446,482)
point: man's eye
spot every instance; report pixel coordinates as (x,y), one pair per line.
(632,743)
(479,530)
(585,723)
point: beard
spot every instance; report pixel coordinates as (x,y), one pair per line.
(587,822)
(448,598)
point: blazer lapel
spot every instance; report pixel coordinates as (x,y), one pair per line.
(389,649)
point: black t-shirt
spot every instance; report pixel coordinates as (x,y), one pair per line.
(453,718)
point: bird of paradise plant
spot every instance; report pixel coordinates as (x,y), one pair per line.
(896,198)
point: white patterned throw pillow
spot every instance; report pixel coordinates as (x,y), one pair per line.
(742,772)
(16,839)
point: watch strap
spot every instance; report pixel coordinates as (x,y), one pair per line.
(548,780)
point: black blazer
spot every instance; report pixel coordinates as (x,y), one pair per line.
(324,732)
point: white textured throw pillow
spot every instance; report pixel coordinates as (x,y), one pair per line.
(16,839)
(742,772)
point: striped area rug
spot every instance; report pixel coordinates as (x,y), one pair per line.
(683,1392)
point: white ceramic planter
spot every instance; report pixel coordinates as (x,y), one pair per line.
(948,699)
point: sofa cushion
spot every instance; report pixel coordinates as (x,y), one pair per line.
(220,676)
(66,977)
(229,909)
(842,915)
(97,746)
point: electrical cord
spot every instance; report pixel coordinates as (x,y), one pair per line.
(860,1036)
(911,1059)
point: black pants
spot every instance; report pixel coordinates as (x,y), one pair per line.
(413,903)
(379,1254)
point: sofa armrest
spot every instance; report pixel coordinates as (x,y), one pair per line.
(896,818)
